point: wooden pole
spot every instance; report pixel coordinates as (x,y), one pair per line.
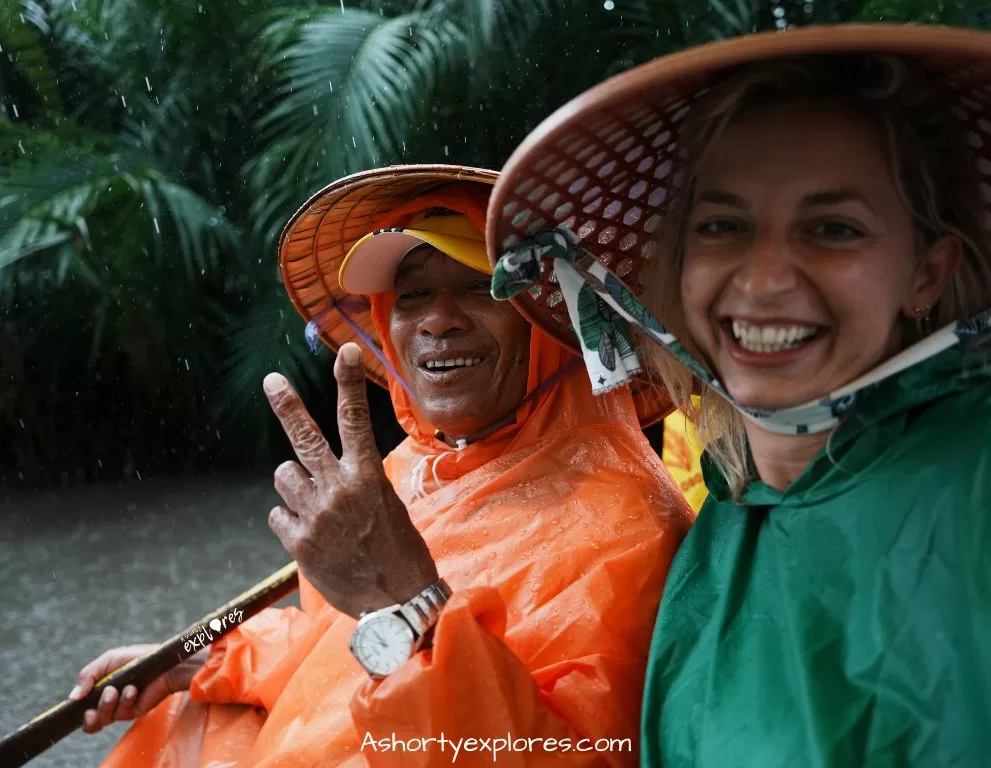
(50,727)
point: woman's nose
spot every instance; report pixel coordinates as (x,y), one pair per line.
(443,315)
(767,267)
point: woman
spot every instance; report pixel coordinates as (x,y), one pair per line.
(542,507)
(815,206)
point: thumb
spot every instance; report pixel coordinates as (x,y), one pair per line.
(353,420)
(97,669)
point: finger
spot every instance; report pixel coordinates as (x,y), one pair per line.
(125,709)
(91,722)
(307,440)
(294,485)
(101,666)
(108,705)
(287,526)
(151,697)
(353,420)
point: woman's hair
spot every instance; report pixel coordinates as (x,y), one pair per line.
(933,168)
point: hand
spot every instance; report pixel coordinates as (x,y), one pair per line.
(342,521)
(130,703)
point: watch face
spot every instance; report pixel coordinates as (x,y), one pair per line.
(383,643)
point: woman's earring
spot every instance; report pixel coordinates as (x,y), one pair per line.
(923,322)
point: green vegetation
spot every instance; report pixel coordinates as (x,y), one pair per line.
(151,150)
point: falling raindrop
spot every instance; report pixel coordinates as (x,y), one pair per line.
(123,101)
(342,6)
(447,152)
(147,84)
(186,361)
(157,230)
(353,144)
(609,5)
(314,110)
(331,84)
(21,147)
(16,113)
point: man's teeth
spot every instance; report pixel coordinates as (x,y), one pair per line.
(763,338)
(454,362)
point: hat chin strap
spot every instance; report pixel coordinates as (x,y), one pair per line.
(602,308)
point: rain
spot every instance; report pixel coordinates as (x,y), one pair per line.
(137,447)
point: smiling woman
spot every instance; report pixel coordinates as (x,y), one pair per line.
(797,225)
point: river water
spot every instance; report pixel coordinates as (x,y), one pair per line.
(87,569)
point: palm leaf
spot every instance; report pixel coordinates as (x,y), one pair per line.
(23,27)
(349,89)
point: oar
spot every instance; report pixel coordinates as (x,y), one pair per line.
(50,727)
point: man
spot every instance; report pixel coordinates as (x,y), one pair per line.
(507,558)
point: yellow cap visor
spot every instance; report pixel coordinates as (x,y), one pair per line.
(382,251)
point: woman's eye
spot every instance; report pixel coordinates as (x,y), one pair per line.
(837,230)
(718,227)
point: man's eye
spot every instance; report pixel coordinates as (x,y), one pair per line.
(836,230)
(413,294)
(718,227)
(482,286)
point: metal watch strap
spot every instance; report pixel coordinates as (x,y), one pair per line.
(423,609)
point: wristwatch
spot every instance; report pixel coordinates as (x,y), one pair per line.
(386,639)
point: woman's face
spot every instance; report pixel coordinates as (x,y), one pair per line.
(799,255)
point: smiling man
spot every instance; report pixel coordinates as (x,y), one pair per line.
(495,578)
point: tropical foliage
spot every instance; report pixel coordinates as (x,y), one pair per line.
(150,151)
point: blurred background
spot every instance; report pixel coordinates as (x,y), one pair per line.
(150,152)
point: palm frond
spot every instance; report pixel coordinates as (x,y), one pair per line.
(23,26)
(47,201)
(349,89)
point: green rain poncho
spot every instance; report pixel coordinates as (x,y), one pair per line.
(847,620)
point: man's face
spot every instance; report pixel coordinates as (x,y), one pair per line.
(464,354)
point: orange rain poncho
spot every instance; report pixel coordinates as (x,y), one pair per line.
(555,534)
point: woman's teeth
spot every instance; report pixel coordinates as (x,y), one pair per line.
(765,338)
(455,362)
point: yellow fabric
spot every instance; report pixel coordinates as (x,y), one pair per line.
(452,234)
(682,455)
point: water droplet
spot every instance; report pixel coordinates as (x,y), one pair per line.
(157,230)
(16,113)
(609,5)
(147,84)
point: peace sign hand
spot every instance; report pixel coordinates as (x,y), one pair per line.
(342,521)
